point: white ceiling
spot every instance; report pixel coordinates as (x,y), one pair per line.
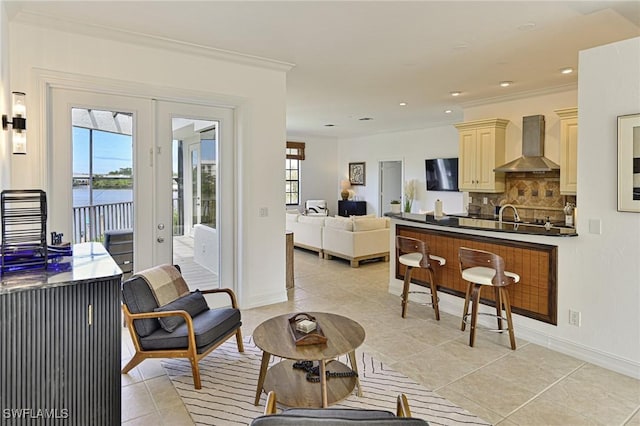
(361,59)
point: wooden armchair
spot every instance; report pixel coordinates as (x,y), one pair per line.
(197,333)
(336,416)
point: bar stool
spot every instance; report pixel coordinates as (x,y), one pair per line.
(482,268)
(414,253)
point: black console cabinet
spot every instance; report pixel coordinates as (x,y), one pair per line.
(60,344)
(352,208)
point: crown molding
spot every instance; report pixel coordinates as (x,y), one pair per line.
(28,17)
(521,95)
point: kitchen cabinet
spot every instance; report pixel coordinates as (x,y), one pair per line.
(352,208)
(568,150)
(481,149)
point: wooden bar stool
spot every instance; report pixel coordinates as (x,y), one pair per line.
(482,268)
(414,253)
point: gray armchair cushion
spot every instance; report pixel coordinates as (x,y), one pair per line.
(193,303)
(291,420)
(342,413)
(209,326)
(138,297)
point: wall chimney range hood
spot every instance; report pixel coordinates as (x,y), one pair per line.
(532,159)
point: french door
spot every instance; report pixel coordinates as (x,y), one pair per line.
(194,197)
(158,174)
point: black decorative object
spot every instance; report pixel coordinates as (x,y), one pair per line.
(24,230)
(313,372)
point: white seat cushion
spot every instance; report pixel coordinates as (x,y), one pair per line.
(483,275)
(411,259)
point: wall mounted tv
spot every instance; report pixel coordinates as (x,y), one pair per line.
(442,174)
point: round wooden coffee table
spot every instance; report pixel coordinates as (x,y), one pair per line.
(290,385)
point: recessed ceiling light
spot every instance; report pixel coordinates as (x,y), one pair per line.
(403,104)
(567,70)
(329,125)
(365,118)
(447,111)
(455,93)
(506,83)
(526,27)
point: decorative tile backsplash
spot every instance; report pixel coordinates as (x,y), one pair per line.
(536,195)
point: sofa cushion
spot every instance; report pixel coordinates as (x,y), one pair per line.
(209,327)
(343,223)
(314,220)
(139,298)
(194,303)
(292,215)
(369,224)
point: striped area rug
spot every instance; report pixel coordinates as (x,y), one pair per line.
(229,380)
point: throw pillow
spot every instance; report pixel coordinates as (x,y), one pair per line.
(369,224)
(193,303)
(343,223)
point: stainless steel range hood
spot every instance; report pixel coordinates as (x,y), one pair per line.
(532,159)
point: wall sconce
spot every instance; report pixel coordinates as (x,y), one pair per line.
(18,123)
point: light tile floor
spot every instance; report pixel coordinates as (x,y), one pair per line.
(529,386)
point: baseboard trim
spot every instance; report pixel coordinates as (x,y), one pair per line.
(264,299)
(453,305)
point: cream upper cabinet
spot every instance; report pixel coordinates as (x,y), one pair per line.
(568,150)
(481,150)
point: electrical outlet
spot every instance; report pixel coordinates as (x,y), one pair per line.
(263,212)
(485,200)
(575,317)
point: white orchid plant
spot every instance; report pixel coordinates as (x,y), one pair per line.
(409,194)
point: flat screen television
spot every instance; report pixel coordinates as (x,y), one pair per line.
(442,174)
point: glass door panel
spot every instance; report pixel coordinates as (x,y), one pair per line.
(194,189)
(195,238)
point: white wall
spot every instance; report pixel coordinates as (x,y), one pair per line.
(318,177)
(605,278)
(5,93)
(257,93)
(412,147)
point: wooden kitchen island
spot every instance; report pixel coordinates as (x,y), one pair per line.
(535,296)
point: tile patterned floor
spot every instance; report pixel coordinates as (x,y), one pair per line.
(529,386)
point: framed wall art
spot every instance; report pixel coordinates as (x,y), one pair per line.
(357,173)
(629,163)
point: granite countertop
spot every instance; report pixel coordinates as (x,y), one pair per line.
(485,223)
(89,261)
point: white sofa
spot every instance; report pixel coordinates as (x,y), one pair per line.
(355,238)
(307,230)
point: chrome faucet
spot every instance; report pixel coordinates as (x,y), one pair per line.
(516,216)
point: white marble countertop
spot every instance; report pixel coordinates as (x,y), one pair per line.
(90,261)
